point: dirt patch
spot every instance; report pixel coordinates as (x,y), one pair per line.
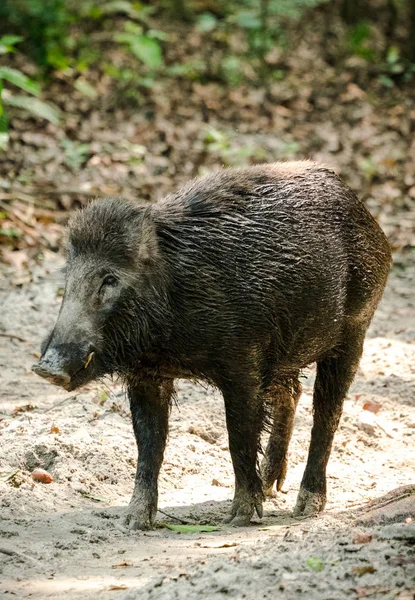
(66,537)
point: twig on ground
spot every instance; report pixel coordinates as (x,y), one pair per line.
(19,555)
(182,521)
(400,497)
(12,336)
(60,403)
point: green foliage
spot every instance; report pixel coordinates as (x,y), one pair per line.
(29,104)
(34,106)
(360,39)
(75,154)
(315,564)
(7,43)
(143,45)
(222,145)
(10,232)
(19,80)
(44,25)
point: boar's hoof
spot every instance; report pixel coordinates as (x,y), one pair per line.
(243,508)
(139,516)
(309,503)
(270,474)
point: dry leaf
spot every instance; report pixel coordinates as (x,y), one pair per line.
(115,587)
(24,408)
(359,571)
(54,429)
(362,538)
(372,406)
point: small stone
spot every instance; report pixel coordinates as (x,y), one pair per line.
(41,476)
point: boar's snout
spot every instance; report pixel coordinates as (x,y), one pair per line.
(52,373)
(64,366)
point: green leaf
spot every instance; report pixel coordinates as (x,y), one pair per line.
(148,51)
(386,81)
(134,11)
(192,528)
(85,88)
(4,138)
(393,55)
(7,42)
(248,19)
(9,231)
(125,38)
(131,27)
(35,107)
(206,22)
(4,121)
(20,80)
(10,40)
(315,563)
(156,34)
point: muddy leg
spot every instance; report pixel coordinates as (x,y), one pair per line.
(334,376)
(244,418)
(150,404)
(282,397)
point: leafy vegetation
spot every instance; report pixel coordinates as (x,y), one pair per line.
(19,80)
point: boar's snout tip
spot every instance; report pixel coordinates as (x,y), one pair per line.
(56,377)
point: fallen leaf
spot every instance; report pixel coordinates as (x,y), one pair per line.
(362,538)
(24,408)
(54,429)
(113,588)
(8,475)
(359,571)
(315,563)
(372,406)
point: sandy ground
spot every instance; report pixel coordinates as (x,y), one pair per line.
(67,537)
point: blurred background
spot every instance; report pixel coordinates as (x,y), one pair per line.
(128,98)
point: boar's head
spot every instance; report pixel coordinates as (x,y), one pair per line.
(111,294)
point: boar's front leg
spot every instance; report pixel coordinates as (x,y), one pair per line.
(150,405)
(244,419)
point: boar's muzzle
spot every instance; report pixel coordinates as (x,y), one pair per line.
(69,354)
(66,365)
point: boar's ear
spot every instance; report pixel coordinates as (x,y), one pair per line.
(148,243)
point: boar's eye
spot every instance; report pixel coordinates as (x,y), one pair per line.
(109,281)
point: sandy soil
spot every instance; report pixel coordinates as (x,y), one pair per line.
(67,538)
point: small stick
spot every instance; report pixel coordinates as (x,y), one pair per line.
(59,403)
(20,555)
(182,521)
(12,336)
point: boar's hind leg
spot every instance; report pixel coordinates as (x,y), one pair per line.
(282,398)
(150,404)
(244,419)
(334,376)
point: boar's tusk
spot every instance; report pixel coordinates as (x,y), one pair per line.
(88,360)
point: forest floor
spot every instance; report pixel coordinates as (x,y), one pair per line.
(67,537)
